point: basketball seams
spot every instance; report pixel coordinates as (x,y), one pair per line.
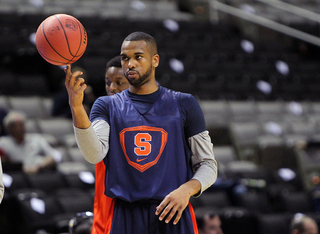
(44,34)
(81,37)
(51,60)
(66,37)
(57,44)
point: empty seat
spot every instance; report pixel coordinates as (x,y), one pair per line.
(255,201)
(216,199)
(224,155)
(82,179)
(215,112)
(36,213)
(243,169)
(296,202)
(76,156)
(244,137)
(302,130)
(243,111)
(33,85)
(274,223)
(47,103)
(4,103)
(71,167)
(234,219)
(31,106)
(58,127)
(296,111)
(15,180)
(274,154)
(270,111)
(71,204)
(65,192)
(47,181)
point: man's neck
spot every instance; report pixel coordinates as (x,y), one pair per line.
(146,88)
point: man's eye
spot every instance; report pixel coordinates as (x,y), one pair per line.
(124,58)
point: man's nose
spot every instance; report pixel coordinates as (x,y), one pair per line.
(112,87)
(131,64)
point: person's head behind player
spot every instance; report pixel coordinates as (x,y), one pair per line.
(139,58)
(115,80)
(14,123)
(303,224)
(208,221)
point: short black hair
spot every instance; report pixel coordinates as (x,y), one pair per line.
(114,62)
(142,36)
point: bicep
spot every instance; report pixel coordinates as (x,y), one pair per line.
(99,110)
(193,115)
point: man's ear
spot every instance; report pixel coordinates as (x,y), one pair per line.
(155,60)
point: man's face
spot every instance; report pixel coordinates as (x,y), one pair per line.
(137,63)
(212,225)
(17,130)
(116,82)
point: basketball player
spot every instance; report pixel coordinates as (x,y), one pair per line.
(152,141)
(116,82)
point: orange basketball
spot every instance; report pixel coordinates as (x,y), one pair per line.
(61,39)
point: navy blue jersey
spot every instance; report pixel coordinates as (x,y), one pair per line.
(149,154)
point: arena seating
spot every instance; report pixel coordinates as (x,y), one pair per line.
(259,116)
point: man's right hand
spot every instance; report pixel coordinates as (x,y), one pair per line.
(75,86)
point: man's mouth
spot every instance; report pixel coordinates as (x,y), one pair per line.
(131,74)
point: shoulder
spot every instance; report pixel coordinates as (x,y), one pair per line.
(188,100)
(106,100)
(187,97)
(102,102)
(103,99)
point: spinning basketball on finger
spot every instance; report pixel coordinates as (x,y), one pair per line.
(61,39)
(153,143)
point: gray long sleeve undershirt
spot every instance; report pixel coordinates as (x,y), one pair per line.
(94,145)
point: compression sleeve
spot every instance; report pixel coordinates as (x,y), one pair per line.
(94,141)
(203,161)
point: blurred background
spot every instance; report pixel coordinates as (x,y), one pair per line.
(253,66)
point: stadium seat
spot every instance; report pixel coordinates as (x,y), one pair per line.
(274,223)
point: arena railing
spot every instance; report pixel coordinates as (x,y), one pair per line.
(217,6)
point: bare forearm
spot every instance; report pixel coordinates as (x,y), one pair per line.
(191,187)
(75,86)
(80,117)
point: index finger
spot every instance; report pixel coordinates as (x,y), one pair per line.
(67,70)
(161,206)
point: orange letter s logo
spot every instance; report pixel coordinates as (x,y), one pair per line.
(143,145)
(141,140)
